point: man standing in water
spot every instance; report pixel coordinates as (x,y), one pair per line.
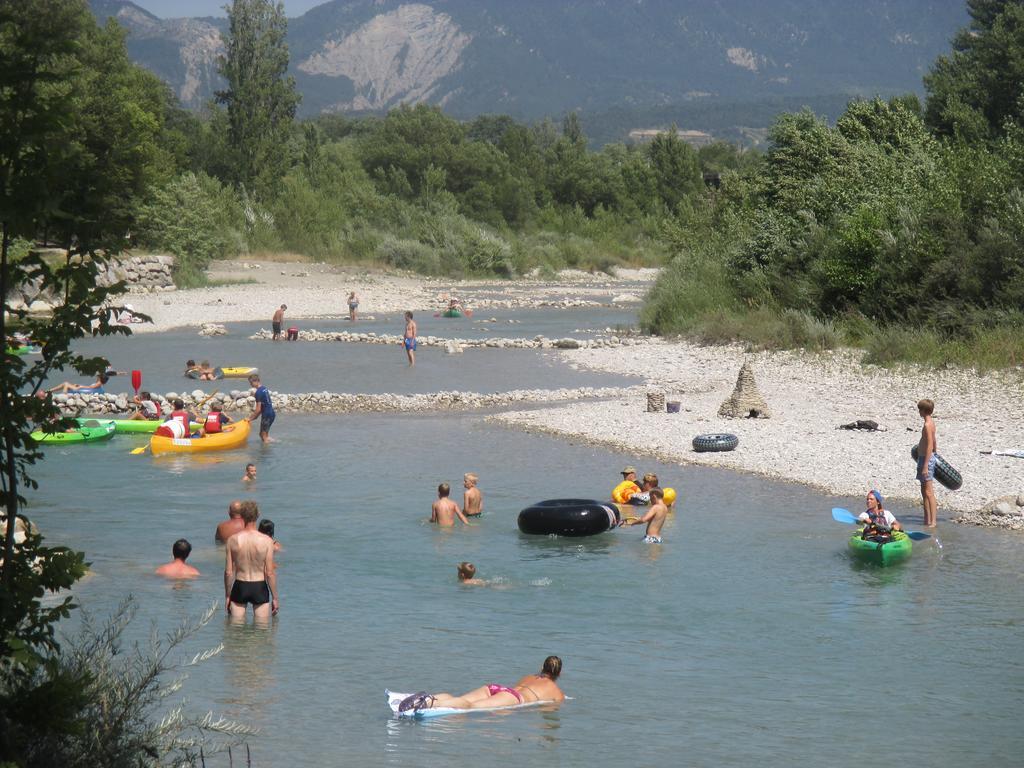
(233,524)
(264,408)
(409,338)
(926,448)
(444,510)
(277,320)
(249,575)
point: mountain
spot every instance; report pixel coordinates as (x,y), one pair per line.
(531,58)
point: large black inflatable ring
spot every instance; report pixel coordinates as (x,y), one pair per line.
(944,471)
(568,517)
(719,442)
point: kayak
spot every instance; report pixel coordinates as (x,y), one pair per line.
(233,436)
(451,313)
(888,553)
(24,350)
(89,430)
(239,372)
(142,426)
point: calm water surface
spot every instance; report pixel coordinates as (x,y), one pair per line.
(366,368)
(749,636)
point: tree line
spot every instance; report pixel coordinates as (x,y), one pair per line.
(900,227)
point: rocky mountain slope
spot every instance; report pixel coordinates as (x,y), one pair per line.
(530,58)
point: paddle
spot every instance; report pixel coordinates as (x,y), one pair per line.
(136,381)
(841,515)
(200,404)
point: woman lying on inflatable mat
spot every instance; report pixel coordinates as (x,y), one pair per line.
(529,690)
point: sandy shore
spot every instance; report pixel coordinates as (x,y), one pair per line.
(809,395)
(314,291)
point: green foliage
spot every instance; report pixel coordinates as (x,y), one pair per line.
(977,90)
(260,97)
(193,217)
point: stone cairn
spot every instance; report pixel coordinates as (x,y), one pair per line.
(745,402)
(655,402)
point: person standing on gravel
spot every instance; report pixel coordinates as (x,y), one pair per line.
(926,448)
(277,320)
(353,305)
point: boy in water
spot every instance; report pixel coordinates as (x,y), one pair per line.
(178,568)
(472,499)
(250,473)
(467,575)
(264,408)
(444,510)
(409,338)
(654,517)
(266,527)
(926,448)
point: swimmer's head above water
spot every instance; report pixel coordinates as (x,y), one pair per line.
(466,571)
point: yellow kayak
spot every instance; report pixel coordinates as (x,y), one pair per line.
(239,372)
(233,436)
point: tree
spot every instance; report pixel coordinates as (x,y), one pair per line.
(978,88)
(261,99)
(676,168)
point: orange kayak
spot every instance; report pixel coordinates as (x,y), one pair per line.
(234,436)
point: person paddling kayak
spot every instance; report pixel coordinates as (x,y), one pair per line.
(879,522)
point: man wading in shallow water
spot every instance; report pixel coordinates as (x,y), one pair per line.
(249,575)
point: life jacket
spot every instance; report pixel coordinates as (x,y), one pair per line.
(181,416)
(172,428)
(622,491)
(159,410)
(212,422)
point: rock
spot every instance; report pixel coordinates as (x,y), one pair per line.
(197,395)
(453,348)
(1004,509)
(213,329)
(567,344)
(171,396)
(1020,499)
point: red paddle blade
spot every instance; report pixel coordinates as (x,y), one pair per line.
(136,380)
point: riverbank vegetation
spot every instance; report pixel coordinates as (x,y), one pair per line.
(899,229)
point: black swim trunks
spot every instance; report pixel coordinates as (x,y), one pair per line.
(255,592)
(276,327)
(266,420)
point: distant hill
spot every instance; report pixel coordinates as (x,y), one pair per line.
(531,58)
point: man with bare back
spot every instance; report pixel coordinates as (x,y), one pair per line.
(249,575)
(926,448)
(444,510)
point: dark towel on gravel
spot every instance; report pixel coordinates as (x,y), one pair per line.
(863,424)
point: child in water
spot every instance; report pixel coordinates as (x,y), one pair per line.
(467,575)
(654,517)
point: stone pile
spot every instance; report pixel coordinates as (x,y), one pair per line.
(213,329)
(537,342)
(334,402)
(746,400)
(1004,512)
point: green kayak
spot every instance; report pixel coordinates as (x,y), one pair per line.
(142,426)
(451,313)
(891,552)
(89,430)
(24,350)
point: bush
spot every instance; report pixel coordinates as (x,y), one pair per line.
(409,254)
(193,217)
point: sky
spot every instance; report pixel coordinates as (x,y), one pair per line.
(167,9)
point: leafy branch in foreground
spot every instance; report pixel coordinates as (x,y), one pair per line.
(121,692)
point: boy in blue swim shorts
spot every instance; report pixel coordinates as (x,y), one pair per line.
(409,338)
(264,408)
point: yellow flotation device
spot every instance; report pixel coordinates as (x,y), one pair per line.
(670,497)
(622,491)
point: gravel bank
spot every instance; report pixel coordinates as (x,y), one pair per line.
(809,396)
(321,290)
